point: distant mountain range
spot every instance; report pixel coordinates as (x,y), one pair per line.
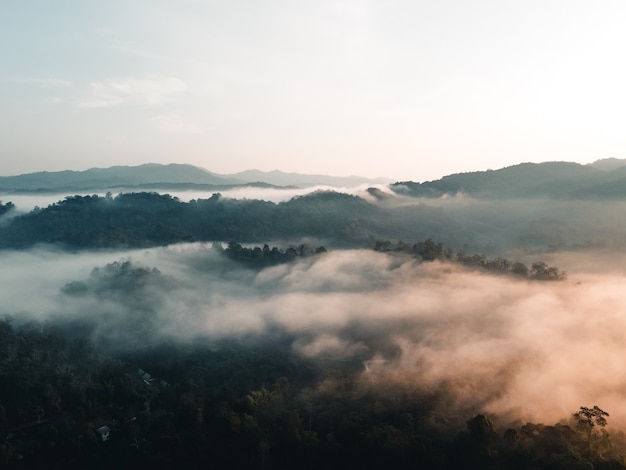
(603,179)
(178,176)
(279,178)
(599,180)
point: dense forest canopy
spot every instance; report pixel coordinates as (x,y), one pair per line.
(492,227)
(250,405)
(149,219)
(329,330)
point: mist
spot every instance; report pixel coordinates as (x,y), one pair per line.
(26,202)
(518,349)
(507,227)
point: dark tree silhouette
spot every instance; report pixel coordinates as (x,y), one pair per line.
(588,420)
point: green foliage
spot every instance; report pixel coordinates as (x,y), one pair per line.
(4,208)
(232,404)
(589,418)
(542,272)
(132,220)
(428,250)
(590,423)
(266,256)
(151,219)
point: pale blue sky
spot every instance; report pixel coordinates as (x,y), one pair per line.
(398,88)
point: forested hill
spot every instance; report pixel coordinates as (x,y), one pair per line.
(605,179)
(150,219)
(133,220)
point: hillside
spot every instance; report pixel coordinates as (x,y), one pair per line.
(560,180)
(116,176)
(156,176)
(280,178)
(608,164)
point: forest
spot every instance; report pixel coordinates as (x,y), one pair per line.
(330,218)
(237,404)
(327,331)
(150,219)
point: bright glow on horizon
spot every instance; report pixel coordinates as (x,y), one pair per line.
(406,90)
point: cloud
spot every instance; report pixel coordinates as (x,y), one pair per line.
(494,344)
(148,91)
(328,345)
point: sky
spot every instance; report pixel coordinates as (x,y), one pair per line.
(396,88)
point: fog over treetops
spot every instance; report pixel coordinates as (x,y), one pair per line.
(530,207)
(521,349)
(352,299)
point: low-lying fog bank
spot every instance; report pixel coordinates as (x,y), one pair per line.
(520,349)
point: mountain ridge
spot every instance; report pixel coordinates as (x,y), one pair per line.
(281,178)
(600,179)
(605,178)
(165,176)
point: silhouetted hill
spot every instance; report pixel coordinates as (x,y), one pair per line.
(172,176)
(561,180)
(608,164)
(280,178)
(116,176)
(150,219)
